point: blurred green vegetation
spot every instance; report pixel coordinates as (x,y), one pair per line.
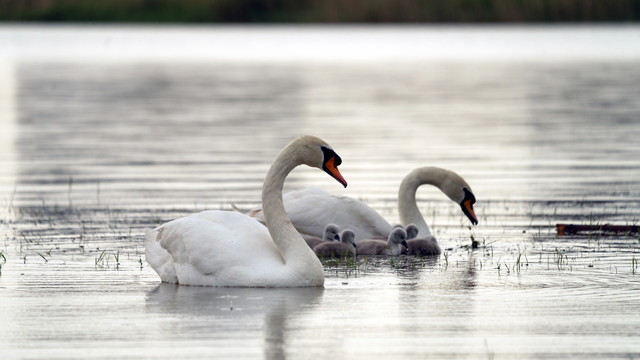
(320,11)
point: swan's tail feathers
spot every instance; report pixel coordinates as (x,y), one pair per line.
(159,258)
(258,215)
(151,234)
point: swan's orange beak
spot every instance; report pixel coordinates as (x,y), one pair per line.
(332,169)
(467,206)
(467,209)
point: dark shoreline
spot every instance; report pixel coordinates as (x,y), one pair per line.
(321,11)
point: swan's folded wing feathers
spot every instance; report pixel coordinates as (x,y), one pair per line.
(223,242)
(290,197)
(296,194)
(312,212)
(372,224)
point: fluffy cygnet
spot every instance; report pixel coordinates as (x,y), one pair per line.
(346,246)
(331,233)
(390,247)
(412,231)
(423,246)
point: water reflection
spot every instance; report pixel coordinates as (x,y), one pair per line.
(102,151)
(234,314)
(7,141)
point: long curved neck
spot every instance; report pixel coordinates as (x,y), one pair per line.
(295,251)
(407,205)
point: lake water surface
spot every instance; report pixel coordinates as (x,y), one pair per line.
(108,131)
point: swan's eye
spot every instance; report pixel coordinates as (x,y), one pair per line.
(468,195)
(338,160)
(328,154)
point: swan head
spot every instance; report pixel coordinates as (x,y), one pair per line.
(317,153)
(330,162)
(457,189)
(331,233)
(467,206)
(397,237)
(348,237)
(412,231)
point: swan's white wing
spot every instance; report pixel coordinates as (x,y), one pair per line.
(215,248)
(293,195)
(311,209)
(312,213)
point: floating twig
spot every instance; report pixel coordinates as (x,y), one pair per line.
(606,229)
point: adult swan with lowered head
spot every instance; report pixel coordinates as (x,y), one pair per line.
(227,248)
(311,209)
(450,183)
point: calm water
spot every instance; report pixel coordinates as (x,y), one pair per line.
(106,132)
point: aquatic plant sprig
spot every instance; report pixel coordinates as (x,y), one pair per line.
(518,264)
(43,257)
(4,261)
(116,256)
(100,259)
(103,259)
(69,193)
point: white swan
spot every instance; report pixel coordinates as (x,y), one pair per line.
(379,247)
(226,248)
(310,209)
(331,233)
(346,246)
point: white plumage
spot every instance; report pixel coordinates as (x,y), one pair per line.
(227,248)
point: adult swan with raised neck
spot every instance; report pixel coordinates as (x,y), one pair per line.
(227,248)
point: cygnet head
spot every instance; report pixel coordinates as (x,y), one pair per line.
(331,233)
(412,231)
(397,237)
(348,237)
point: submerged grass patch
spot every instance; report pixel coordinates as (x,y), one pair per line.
(4,261)
(105,234)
